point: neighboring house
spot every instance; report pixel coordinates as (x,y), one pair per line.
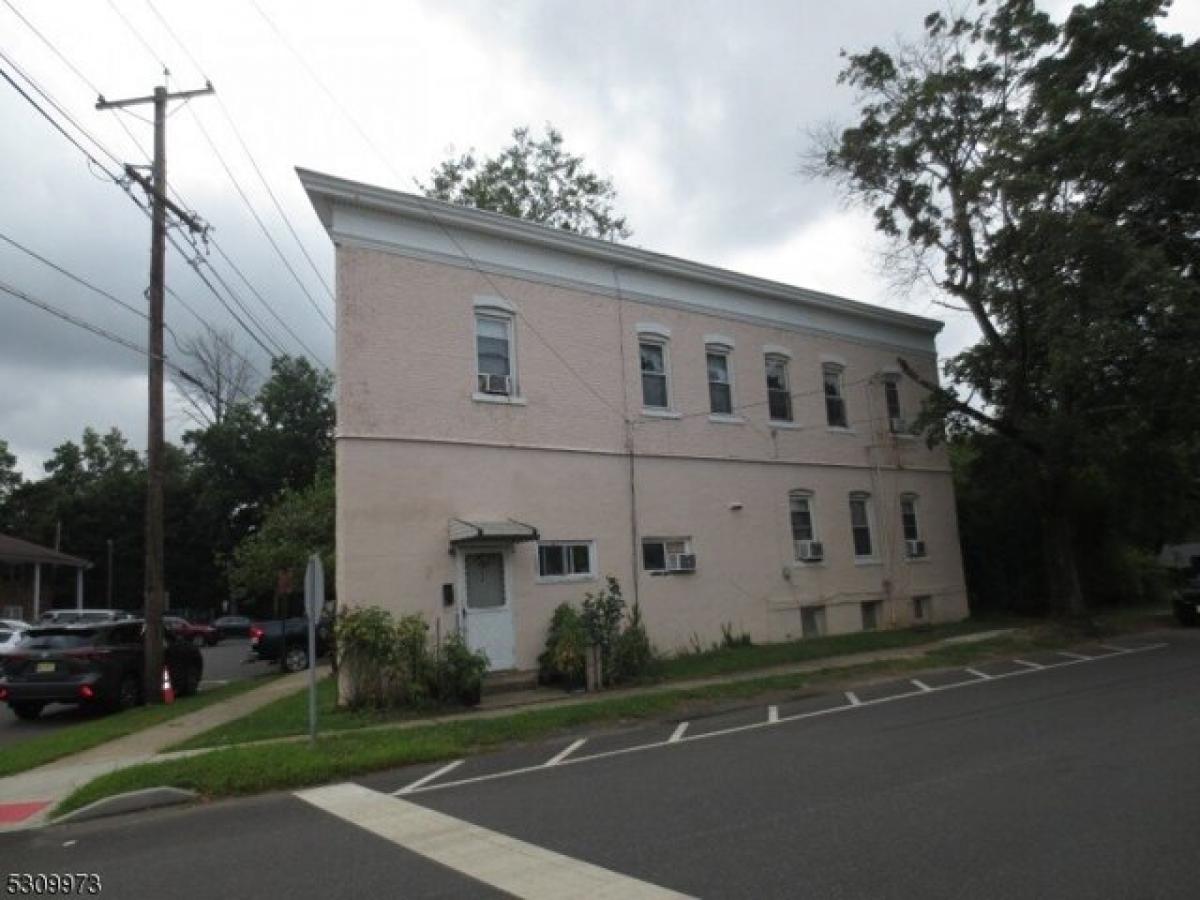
(1184,556)
(24,571)
(523,411)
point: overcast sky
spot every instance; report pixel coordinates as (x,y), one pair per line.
(698,110)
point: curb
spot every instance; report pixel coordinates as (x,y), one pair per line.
(131,801)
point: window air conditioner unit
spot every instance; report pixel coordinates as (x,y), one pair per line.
(914,549)
(898,426)
(809,551)
(681,562)
(495,384)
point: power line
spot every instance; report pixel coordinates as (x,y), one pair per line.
(141,40)
(94,329)
(262,225)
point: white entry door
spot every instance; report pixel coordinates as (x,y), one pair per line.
(487,610)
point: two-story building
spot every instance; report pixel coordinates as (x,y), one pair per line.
(523,411)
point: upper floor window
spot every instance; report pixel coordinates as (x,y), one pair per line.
(891,398)
(860,524)
(655,389)
(914,547)
(494,353)
(779,394)
(720,383)
(800,505)
(835,402)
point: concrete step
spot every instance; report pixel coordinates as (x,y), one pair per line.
(509,681)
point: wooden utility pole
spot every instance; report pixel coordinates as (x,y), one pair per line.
(157,189)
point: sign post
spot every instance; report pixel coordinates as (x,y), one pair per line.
(314,602)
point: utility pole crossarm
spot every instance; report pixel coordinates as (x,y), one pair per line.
(180,213)
(101,103)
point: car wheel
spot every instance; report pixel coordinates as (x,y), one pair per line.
(129,693)
(295,659)
(27,711)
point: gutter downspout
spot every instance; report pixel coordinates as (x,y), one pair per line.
(630,448)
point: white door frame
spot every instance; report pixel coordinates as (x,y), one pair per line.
(505,549)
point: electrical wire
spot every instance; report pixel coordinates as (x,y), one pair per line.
(141,40)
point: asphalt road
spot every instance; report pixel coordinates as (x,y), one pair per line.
(222,663)
(1075,780)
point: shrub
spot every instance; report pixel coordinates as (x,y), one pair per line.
(602,614)
(460,672)
(562,662)
(633,655)
(729,639)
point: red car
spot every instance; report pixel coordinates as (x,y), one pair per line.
(197,634)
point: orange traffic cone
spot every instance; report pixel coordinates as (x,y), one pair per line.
(168,691)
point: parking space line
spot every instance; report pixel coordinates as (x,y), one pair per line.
(513,866)
(1114,648)
(432,776)
(853,701)
(772,714)
(565,752)
(1027,664)
(922,685)
(1069,655)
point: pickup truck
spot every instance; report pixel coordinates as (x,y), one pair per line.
(266,643)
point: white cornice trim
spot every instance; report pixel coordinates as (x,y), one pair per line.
(718,340)
(654,329)
(327,190)
(776,350)
(491,301)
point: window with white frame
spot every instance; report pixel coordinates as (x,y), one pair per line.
(494,353)
(667,555)
(835,401)
(720,382)
(800,507)
(655,389)
(779,392)
(860,525)
(908,517)
(566,560)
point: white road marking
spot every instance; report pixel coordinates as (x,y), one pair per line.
(1114,648)
(1069,655)
(853,702)
(432,776)
(1027,664)
(922,685)
(772,714)
(564,753)
(503,862)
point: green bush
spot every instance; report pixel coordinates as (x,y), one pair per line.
(387,663)
(602,614)
(460,672)
(633,655)
(729,639)
(562,662)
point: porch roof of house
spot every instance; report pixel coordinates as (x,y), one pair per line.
(15,551)
(465,532)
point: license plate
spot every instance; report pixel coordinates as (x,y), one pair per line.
(46,667)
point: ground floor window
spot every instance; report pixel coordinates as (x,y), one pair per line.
(566,560)
(812,621)
(921,607)
(870,615)
(668,555)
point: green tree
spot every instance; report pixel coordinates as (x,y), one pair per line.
(300,522)
(1047,178)
(10,476)
(532,179)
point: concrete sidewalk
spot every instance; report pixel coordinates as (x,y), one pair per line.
(27,798)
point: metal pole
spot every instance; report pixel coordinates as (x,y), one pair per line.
(312,677)
(108,598)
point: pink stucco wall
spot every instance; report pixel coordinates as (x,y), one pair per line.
(415,449)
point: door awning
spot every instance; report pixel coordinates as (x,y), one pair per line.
(508,530)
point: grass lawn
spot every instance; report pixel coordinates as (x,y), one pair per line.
(252,769)
(103,728)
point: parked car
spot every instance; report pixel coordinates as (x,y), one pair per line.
(190,631)
(90,665)
(267,641)
(68,616)
(10,636)
(1187,602)
(233,626)
(13,624)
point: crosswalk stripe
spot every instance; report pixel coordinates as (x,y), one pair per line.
(503,862)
